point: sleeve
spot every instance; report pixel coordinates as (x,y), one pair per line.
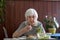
(22,25)
(42,30)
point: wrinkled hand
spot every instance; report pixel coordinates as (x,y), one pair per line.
(28,28)
(22,31)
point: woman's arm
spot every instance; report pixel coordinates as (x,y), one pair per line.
(22,31)
(41,27)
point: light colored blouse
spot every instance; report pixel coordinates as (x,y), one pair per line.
(34,28)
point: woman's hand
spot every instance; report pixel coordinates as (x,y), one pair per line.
(22,31)
(25,29)
(28,27)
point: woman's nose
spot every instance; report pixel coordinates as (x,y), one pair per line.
(32,18)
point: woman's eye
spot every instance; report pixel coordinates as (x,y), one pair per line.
(31,16)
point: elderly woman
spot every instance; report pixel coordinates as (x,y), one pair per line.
(29,26)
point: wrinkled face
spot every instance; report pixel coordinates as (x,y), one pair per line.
(31,19)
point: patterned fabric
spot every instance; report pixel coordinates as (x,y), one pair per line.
(34,28)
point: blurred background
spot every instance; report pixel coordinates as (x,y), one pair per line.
(14,10)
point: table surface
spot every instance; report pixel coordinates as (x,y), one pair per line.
(23,39)
(53,35)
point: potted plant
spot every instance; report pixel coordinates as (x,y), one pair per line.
(2,6)
(50,24)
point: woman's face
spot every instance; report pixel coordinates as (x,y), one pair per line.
(30,19)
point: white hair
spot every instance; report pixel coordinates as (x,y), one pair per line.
(31,12)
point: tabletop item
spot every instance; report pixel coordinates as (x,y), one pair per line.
(52,30)
(56,35)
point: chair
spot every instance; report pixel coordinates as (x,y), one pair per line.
(5,32)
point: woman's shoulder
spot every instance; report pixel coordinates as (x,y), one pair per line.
(39,22)
(24,22)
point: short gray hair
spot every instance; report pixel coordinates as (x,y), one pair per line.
(30,12)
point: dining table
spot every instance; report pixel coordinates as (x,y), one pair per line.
(25,38)
(55,36)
